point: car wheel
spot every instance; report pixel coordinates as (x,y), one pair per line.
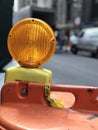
(74,49)
(95,54)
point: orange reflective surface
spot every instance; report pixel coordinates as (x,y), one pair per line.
(31,42)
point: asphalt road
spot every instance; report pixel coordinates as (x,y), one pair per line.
(69,69)
(72,69)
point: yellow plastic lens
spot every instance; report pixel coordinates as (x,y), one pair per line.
(31,42)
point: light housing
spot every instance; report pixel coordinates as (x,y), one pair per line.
(31,42)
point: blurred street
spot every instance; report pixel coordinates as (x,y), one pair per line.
(70,69)
(78,69)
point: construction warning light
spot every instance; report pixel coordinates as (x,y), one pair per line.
(28,93)
(31,42)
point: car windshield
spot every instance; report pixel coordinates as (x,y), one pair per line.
(92,32)
(81,33)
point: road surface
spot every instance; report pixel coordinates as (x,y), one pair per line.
(69,69)
(78,69)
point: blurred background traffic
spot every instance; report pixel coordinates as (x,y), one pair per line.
(69,20)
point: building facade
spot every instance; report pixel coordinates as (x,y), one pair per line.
(61,12)
(42,9)
(88,11)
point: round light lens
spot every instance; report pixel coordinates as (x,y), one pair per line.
(31,42)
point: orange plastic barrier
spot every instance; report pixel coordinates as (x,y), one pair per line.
(23,107)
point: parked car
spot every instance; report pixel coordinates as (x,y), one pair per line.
(86,39)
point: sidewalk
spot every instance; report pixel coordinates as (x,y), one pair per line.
(10,64)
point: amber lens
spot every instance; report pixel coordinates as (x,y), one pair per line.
(31,42)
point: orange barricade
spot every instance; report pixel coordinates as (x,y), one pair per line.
(23,107)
